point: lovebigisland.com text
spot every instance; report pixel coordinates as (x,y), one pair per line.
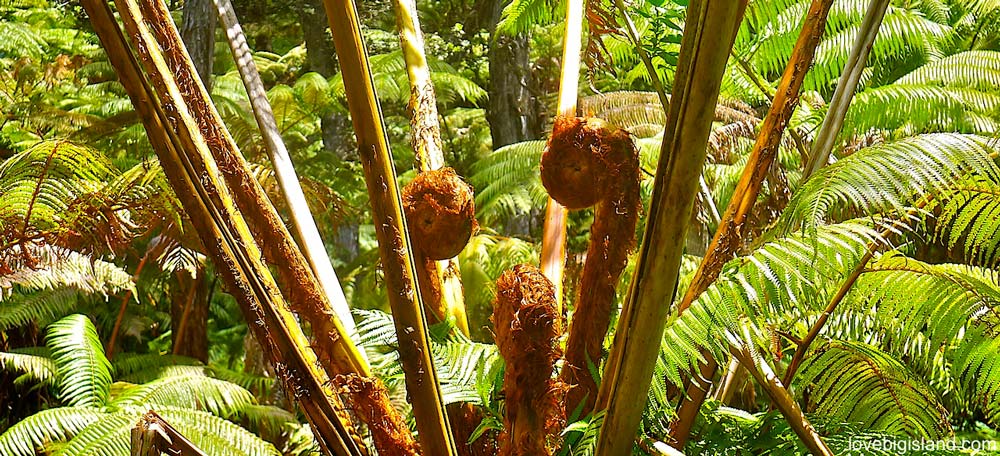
(902,446)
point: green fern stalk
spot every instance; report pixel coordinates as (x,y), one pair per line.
(390,228)
(629,369)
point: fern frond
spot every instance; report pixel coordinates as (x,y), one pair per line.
(970,217)
(191,391)
(33,363)
(780,283)
(854,382)
(83,370)
(33,434)
(520,16)
(889,178)
(506,176)
(127,364)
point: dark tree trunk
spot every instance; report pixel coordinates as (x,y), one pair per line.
(189,315)
(320,54)
(198,33)
(321,57)
(512,112)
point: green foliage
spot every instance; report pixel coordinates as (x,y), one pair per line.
(854,382)
(84,372)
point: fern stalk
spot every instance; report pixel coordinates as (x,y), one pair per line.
(814,330)
(784,401)
(311,244)
(553,256)
(725,244)
(849,78)
(153,436)
(334,347)
(391,232)
(608,180)
(112,341)
(629,369)
(188,167)
(426,141)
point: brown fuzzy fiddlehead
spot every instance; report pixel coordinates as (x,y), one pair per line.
(441,217)
(440,213)
(588,162)
(528,325)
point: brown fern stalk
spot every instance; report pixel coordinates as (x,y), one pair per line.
(223,232)
(553,255)
(587,163)
(439,278)
(370,400)
(528,325)
(332,342)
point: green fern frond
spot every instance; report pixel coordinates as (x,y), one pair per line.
(214,435)
(126,364)
(506,177)
(889,178)
(33,434)
(83,370)
(39,184)
(21,39)
(460,362)
(53,284)
(520,16)
(34,364)
(110,434)
(189,391)
(970,217)
(974,69)
(854,382)
(782,282)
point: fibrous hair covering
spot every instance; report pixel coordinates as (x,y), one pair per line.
(368,398)
(528,324)
(440,213)
(589,162)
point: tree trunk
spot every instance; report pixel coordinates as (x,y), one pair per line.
(322,58)
(512,113)
(198,33)
(189,314)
